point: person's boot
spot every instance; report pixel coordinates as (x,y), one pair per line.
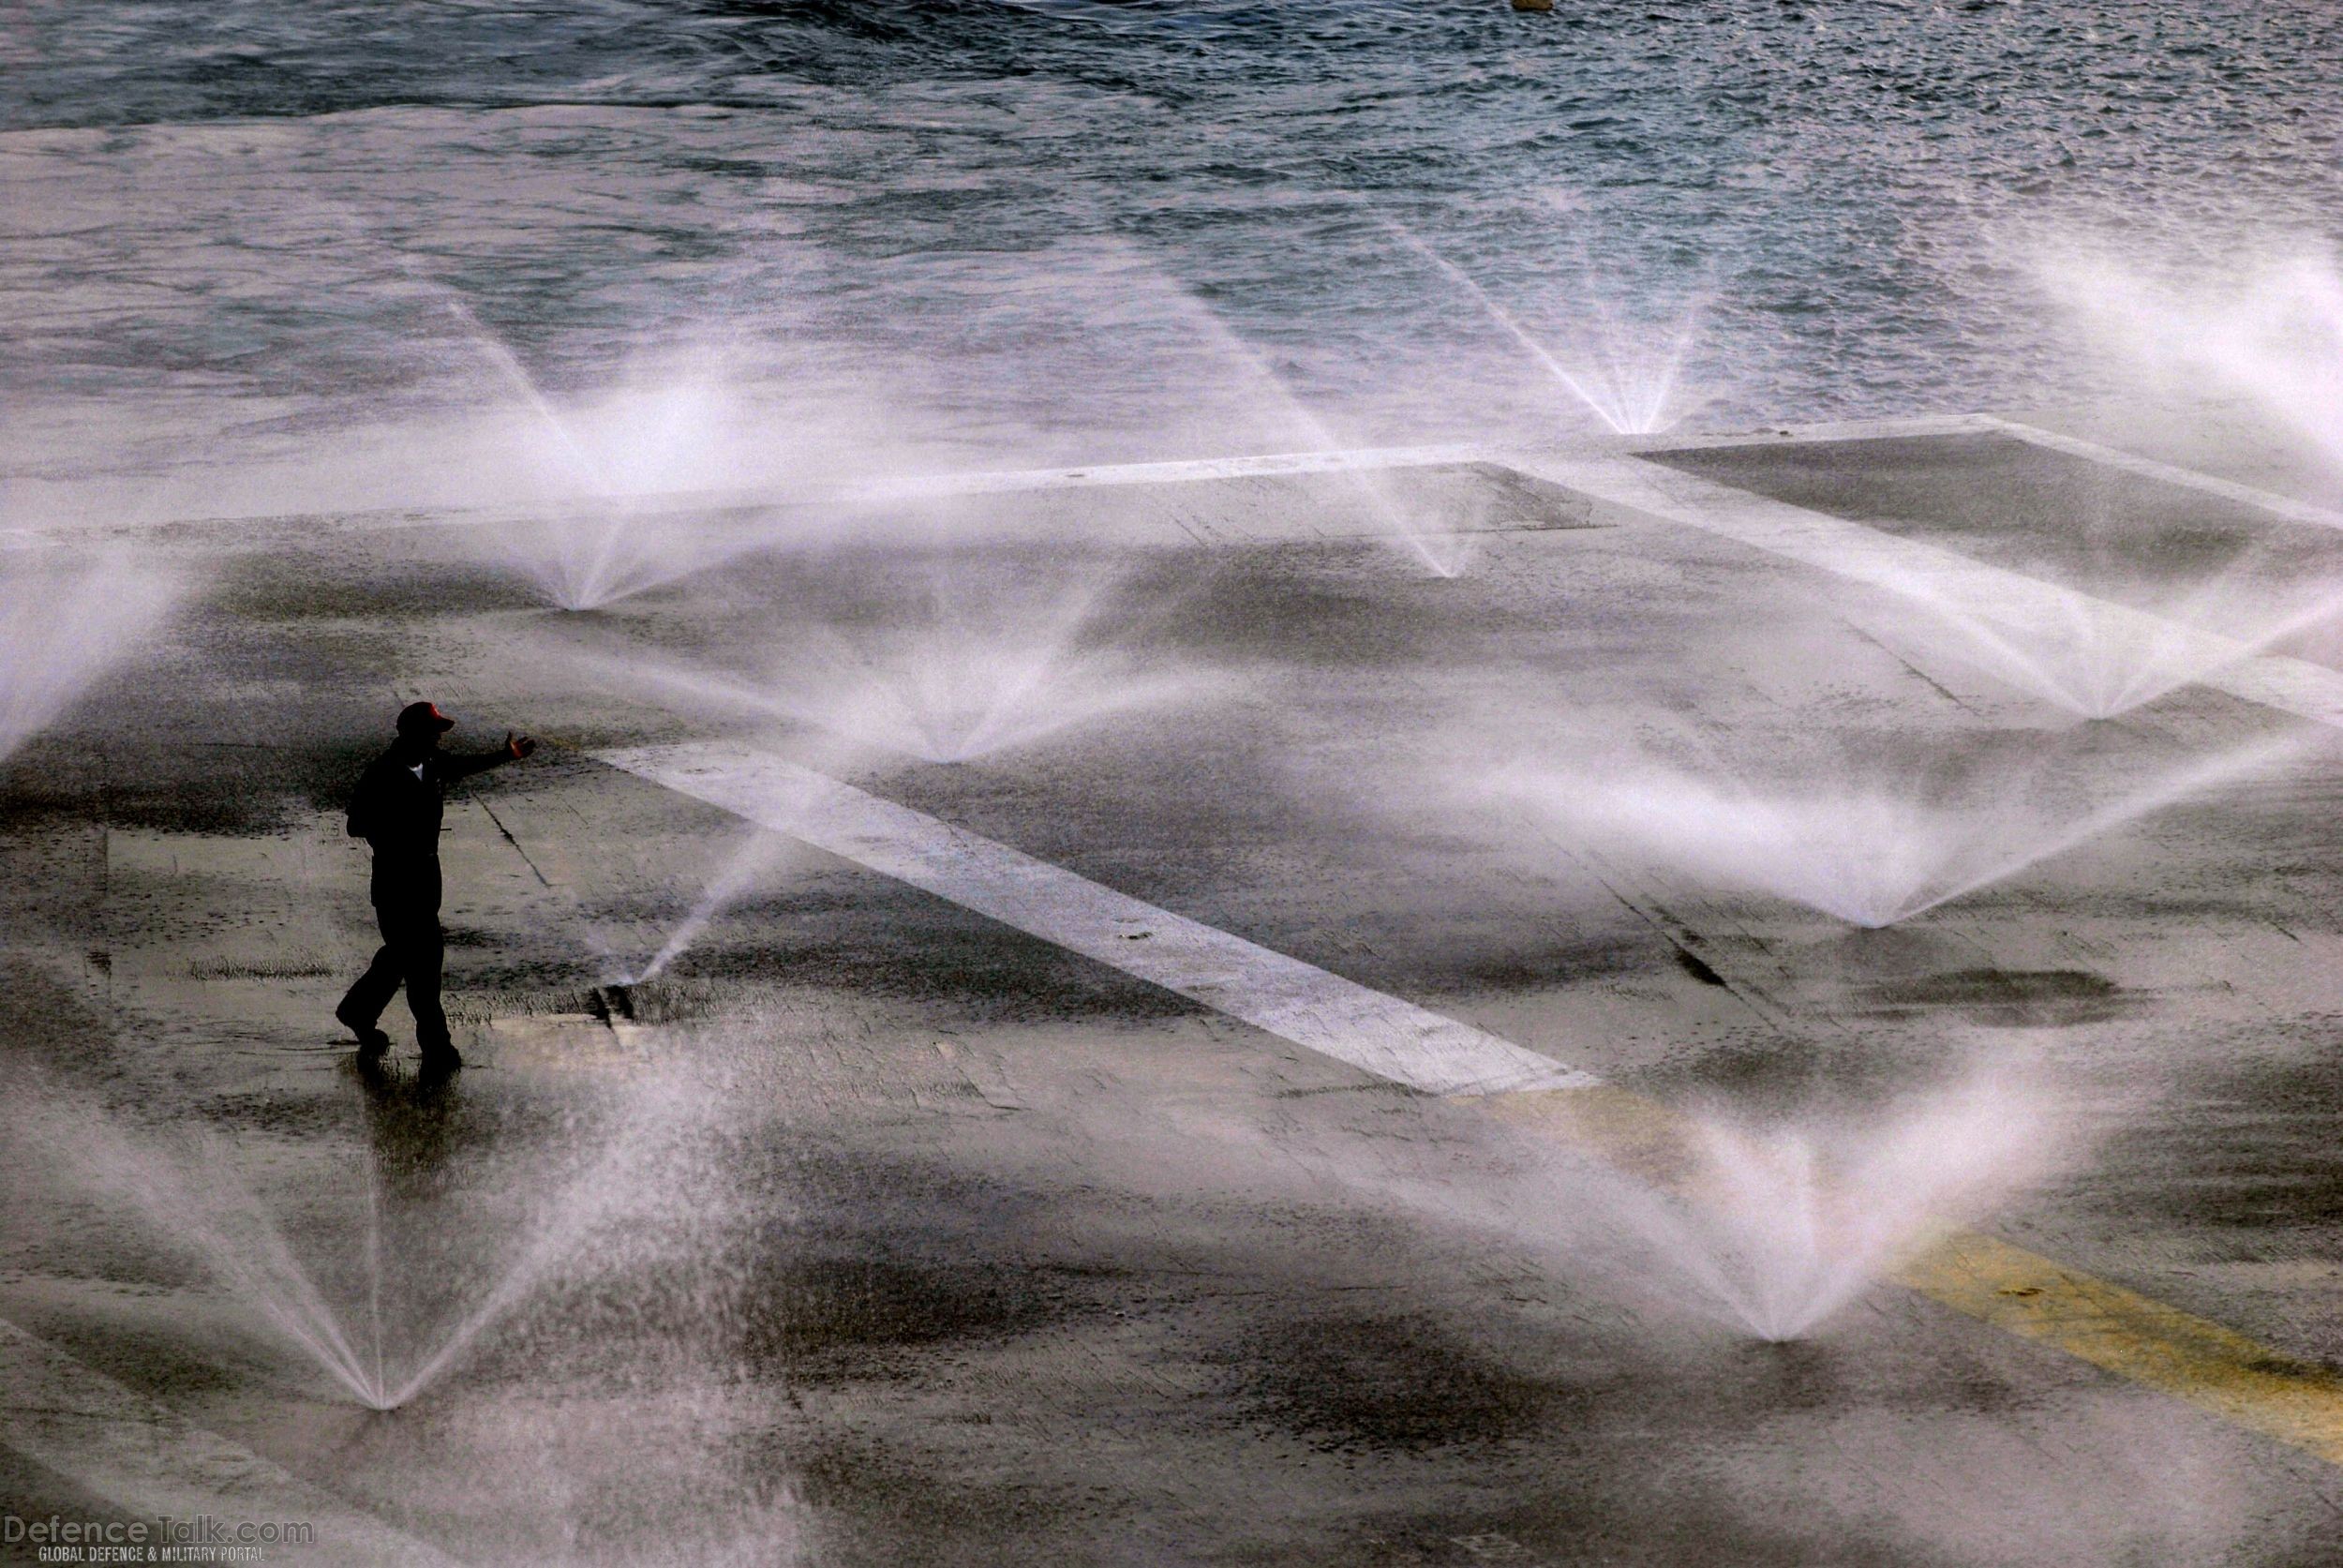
(373,1044)
(440,1059)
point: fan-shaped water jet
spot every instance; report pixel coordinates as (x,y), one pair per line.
(383,1338)
(611,525)
(1872,852)
(65,621)
(967,656)
(1631,397)
(1443,551)
(2268,330)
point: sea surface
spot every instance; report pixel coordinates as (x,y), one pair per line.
(314,248)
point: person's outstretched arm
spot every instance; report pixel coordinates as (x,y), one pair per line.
(515,747)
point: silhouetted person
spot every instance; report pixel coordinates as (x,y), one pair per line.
(396,809)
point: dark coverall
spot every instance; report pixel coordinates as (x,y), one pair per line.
(398,814)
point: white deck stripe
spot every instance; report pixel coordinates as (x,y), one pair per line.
(2171,474)
(1911,566)
(1293,1000)
(653,505)
(1898,427)
(1348,460)
(1183,470)
(150,1463)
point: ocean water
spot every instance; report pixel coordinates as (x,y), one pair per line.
(310,250)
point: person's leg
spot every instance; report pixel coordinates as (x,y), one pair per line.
(422,955)
(361,1008)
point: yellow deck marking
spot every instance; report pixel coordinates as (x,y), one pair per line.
(2134,1336)
(2137,1337)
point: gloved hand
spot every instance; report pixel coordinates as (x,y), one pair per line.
(519,747)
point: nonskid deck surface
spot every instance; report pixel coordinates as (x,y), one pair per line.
(1131,1129)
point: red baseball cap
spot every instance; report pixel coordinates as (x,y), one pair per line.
(418,717)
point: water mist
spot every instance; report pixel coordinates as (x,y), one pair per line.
(65,621)
(1866,843)
(2268,331)
(380,1334)
(1630,391)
